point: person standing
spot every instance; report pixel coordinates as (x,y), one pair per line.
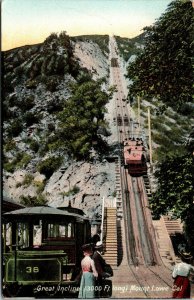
(100,265)
(181,287)
(89,273)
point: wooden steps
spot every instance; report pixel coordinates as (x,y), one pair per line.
(172,226)
(110,229)
(164,241)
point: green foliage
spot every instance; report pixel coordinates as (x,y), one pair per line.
(56,145)
(28,179)
(27,103)
(175,191)
(9,145)
(13,101)
(49,165)
(40,186)
(164,69)
(31,84)
(52,82)
(33,201)
(187,110)
(34,145)
(71,192)
(25,159)
(20,161)
(82,114)
(15,127)
(7,83)
(52,59)
(128,47)
(83,77)
(114,194)
(175,188)
(30,118)
(55,64)
(9,167)
(43,146)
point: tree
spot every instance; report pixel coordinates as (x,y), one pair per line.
(82,115)
(175,190)
(164,69)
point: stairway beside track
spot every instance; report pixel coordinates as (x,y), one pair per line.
(110,229)
(164,228)
(172,226)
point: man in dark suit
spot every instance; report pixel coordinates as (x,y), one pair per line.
(100,264)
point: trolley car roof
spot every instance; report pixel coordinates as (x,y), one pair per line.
(42,211)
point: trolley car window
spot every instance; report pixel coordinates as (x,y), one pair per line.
(61,230)
(22,238)
(7,237)
(37,235)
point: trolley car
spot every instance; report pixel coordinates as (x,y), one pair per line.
(135,157)
(41,245)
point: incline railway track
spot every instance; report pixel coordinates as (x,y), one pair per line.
(144,270)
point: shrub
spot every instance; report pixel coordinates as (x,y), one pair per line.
(9,145)
(30,118)
(114,194)
(40,186)
(52,83)
(15,128)
(75,190)
(186,109)
(72,191)
(8,86)
(20,161)
(28,103)
(34,146)
(25,159)
(33,201)
(18,71)
(31,84)
(28,179)
(49,165)
(14,101)
(43,147)
(9,166)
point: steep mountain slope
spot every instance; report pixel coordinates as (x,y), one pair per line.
(37,82)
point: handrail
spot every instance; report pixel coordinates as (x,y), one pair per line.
(102,223)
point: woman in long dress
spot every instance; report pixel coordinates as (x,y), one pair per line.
(89,274)
(181,287)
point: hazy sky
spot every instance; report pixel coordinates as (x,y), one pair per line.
(31,21)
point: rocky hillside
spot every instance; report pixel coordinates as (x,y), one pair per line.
(37,86)
(130,47)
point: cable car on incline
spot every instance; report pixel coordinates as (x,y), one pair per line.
(134,157)
(119,120)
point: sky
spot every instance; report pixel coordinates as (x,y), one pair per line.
(26,22)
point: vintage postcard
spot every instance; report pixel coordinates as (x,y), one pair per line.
(97,194)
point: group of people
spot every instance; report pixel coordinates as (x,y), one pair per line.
(93,271)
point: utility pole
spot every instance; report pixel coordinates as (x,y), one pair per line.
(149,133)
(138,113)
(139,126)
